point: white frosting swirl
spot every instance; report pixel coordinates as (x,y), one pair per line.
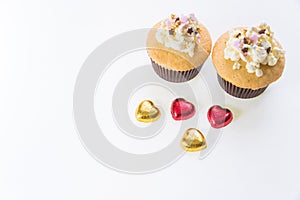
(179,33)
(253,45)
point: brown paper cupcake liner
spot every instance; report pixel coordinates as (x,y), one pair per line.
(235,91)
(175,76)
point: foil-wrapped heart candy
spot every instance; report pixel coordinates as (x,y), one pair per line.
(219,117)
(193,140)
(147,112)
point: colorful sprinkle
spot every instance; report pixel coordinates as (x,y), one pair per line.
(253,38)
(245,50)
(177,22)
(169,24)
(246,41)
(193,17)
(237,44)
(171,32)
(262,31)
(190,31)
(184,19)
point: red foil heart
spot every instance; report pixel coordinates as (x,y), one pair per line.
(182,109)
(219,117)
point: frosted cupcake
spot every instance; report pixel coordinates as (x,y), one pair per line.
(178,47)
(248,60)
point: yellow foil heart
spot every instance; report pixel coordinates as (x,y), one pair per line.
(147,112)
(193,140)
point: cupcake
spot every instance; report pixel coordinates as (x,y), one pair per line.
(248,60)
(178,47)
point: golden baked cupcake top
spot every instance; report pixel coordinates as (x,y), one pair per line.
(179,43)
(249,57)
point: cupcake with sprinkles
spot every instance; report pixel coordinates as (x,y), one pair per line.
(248,60)
(178,47)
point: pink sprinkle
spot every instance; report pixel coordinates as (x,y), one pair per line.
(193,17)
(237,44)
(253,38)
(184,19)
(169,24)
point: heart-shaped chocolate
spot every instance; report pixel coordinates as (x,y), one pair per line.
(193,140)
(182,109)
(219,117)
(147,112)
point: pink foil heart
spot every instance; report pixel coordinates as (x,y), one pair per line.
(182,109)
(219,117)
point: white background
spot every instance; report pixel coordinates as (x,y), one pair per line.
(42,47)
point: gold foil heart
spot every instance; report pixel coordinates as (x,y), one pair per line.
(193,140)
(147,112)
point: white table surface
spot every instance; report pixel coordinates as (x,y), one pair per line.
(42,47)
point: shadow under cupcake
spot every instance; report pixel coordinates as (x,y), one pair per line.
(178,47)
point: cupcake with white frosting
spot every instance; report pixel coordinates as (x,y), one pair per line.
(248,60)
(178,46)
